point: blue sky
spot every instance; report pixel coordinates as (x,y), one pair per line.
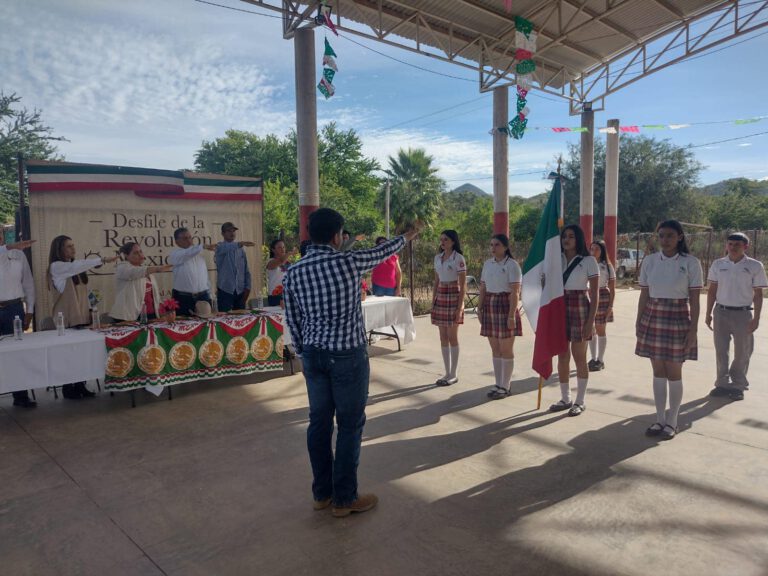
(143,83)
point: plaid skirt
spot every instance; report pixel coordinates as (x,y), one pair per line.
(494,315)
(662,329)
(602,316)
(576,313)
(445,305)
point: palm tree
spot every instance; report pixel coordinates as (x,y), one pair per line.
(416,191)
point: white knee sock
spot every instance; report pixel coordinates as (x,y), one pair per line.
(565,391)
(454,360)
(675,399)
(507,366)
(593,348)
(497,370)
(446,350)
(660,398)
(582,390)
(602,341)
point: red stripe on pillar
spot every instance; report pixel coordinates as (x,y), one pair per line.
(501,223)
(304,212)
(585,221)
(609,235)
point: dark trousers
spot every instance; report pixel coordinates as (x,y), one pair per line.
(337,385)
(227,301)
(7,315)
(187,301)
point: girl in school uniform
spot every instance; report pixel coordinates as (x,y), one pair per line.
(581,276)
(499,316)
(667,321)
(604,314)
(448,301)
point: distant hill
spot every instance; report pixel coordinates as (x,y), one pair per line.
(469,189)
(720,188)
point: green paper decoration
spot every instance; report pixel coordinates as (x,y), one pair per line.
(525,67)
(328,50)
(325,86)
(523,25)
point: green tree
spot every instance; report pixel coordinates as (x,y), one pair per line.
(741,208)
(347,180)
(656,182)
(416,190)
(21,131)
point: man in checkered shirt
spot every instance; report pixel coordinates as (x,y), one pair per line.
(323,312)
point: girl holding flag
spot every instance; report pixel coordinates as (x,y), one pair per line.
(581,276)
(667,321)
(448,301)
(499,317)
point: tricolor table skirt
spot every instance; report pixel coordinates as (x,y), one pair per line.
(162,354)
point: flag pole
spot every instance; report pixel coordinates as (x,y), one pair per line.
(561,219)
(538,402)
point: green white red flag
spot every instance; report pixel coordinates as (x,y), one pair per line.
(543,294)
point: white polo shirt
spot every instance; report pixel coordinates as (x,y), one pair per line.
(606,273)
(497,276)
(670,277)
(736,281)
(449,270)
(579,278)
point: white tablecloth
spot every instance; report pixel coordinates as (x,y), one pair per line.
(46,359)
(380,313)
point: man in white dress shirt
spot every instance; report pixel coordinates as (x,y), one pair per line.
(191,283)
(736,284)
(16,287)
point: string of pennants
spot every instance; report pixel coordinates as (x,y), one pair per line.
(631,129)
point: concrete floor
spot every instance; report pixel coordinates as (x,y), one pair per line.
(218,481)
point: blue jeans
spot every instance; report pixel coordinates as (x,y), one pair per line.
(381,291)
(229,301)
(337,383)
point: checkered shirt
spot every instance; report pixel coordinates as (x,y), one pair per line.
(322,295)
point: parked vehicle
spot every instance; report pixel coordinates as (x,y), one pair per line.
(628,262)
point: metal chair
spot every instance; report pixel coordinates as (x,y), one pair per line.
(473,293)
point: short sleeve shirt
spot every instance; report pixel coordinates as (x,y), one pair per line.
(670,278)
(579,279)
(449,270)
(607,273)
(736,281)
(497,276)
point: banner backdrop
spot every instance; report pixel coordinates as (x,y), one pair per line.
(101,207)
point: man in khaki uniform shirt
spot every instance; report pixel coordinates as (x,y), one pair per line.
(736,284)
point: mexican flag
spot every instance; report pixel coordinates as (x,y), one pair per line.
(542,296)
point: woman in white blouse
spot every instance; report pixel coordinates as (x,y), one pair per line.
(499,316)
(68,282)
(136,285)
(581,276)
(448,301)
(605,305)
(667,321)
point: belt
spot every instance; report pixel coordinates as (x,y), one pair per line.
(734,307)
(8,303)
(191,294)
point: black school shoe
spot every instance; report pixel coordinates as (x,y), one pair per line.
(736,394)
(24,403)
(720,392)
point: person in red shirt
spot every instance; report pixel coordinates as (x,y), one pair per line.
(387,277)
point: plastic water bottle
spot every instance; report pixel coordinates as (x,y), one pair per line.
(60,323)
(18,328)
(143,315)
(95,324)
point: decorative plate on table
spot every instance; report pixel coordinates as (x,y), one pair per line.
(182,355)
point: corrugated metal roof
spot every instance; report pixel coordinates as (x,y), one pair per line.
(574,35)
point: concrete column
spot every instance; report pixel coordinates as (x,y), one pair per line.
(306,126)
(500,162)
(587,171)
(611,189)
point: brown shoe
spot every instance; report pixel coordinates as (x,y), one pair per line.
(362,504)
(321,504)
